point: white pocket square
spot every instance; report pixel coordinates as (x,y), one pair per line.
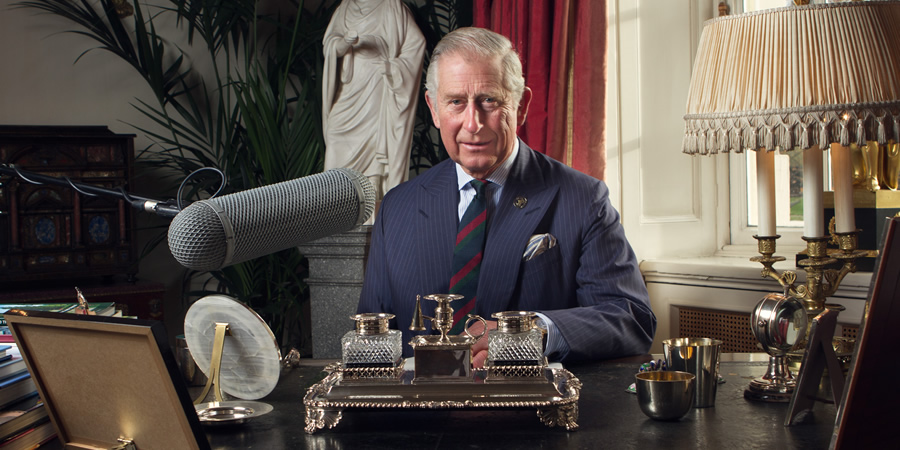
(537,244)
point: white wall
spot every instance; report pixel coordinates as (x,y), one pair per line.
(41,84)
(667,198)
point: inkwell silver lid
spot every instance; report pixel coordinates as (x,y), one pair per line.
(514,321)
(370,324)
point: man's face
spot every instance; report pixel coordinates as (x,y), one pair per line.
(475,113)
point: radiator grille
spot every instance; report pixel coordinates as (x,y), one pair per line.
(732,328)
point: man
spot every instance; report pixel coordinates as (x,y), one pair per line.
(586,286)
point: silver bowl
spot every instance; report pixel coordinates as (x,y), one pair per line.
(665,395)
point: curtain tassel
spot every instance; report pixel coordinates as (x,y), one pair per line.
(861,132)
(711,142)
(692,143)
(804,136)
(880,133)
(823,135)
(787,142)
(844,136)
(702,143)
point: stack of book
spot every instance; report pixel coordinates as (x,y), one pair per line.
(24,423)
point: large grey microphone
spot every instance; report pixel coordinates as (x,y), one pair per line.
(221,231)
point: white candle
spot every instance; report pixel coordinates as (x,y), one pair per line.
(765,190)
(813,185)
(842,181)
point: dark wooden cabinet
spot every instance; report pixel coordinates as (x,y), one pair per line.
(54,232)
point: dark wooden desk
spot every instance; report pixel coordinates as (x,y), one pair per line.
(609,417)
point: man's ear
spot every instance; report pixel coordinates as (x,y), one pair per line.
(434,114)
(523,106)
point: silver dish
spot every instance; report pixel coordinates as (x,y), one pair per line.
(554,396)
(230,412)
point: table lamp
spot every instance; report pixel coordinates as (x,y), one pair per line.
(803,78)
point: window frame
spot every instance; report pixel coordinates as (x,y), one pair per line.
(740,231)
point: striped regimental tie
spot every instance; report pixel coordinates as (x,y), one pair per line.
(470,238)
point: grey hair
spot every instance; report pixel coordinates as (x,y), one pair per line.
(479,42)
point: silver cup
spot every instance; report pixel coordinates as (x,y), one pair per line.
(700,357)
(664,394)
(185,362)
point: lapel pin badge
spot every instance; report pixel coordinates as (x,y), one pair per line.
(520,202)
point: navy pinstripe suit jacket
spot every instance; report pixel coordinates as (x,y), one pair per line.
(589,285)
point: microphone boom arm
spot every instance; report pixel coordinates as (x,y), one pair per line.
(163,209)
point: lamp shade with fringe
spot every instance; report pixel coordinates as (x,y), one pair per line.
(796,77)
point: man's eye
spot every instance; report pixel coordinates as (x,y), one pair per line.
(456,102)
(490,103)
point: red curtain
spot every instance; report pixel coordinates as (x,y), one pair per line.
(563,48)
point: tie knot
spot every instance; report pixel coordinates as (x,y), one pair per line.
(479,186)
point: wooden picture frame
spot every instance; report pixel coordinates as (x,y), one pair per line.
(865,418)
(105,378)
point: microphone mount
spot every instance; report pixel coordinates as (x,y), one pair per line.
(161,208)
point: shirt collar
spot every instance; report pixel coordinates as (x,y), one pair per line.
(498,176)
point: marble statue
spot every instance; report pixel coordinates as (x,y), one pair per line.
(373,66)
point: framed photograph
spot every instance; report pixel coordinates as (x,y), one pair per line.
(864,418)
(103,379)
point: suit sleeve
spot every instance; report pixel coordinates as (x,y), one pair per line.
(613,316)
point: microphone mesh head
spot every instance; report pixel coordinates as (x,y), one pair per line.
(270,219)
(197,238)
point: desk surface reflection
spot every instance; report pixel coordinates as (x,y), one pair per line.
(609,417)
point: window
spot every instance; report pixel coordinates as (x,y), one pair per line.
(788,196)
(788,181)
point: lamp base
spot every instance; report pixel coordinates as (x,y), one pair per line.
(777,390)
(765,396)
(776,386)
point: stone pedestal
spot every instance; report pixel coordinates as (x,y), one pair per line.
(336,268)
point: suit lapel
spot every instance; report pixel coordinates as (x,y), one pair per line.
(510,229)
(437,220)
